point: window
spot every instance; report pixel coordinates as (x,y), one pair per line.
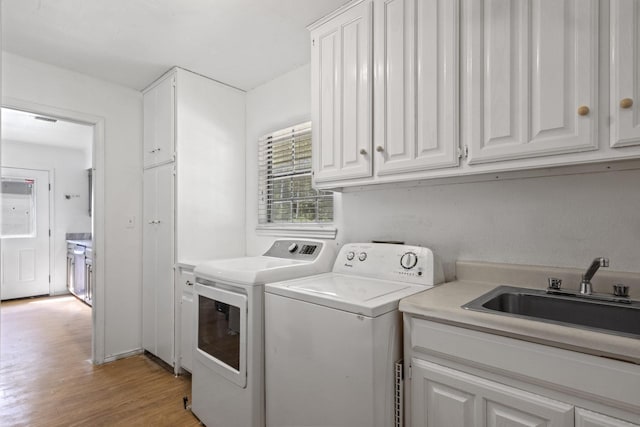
(18,208)
(285,192)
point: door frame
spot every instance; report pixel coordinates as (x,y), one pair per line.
(98,211)
(50,217)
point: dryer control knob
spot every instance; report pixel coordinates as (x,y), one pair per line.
(408,260)
(362,256)
(350,255)
(292,247)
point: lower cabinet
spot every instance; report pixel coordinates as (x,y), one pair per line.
(186,280)
(456,377)
(586,418)
(446,397)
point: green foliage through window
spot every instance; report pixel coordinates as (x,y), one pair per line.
(286,194)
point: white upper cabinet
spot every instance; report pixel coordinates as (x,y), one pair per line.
(416,85)
(341,94)
(159,134)
(531,78)
(625,72)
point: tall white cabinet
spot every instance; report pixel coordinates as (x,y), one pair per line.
(194,184)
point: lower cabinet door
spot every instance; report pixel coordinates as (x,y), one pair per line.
(586,418)
(186,336)
(444,397)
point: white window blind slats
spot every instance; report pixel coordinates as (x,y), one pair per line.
(285,191)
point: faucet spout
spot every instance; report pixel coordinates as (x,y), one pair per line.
(585,285)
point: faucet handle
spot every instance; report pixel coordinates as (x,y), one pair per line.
(621,290)
(554,283)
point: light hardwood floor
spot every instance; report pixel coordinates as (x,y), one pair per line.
(47,379)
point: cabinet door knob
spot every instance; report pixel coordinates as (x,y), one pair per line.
(626,103)
(379,148)
(363,151)
(583,110)
(189,283)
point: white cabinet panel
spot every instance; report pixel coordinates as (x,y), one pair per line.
(157,284)
(416,85)
(341,95)
(159,135)
(586,418)
(625,73)
(442,396)
(186,280)
(531,78)
(443,405)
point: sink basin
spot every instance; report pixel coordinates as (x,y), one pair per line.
(570,310)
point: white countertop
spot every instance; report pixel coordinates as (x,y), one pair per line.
(443,304)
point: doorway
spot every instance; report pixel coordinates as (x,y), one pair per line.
(25,233)
(76,205)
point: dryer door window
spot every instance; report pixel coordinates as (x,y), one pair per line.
(221,334)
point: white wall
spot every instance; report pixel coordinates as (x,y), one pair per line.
(555,221)
(121,108)
(281,103)
(68,175)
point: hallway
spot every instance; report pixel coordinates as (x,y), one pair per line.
(47,379)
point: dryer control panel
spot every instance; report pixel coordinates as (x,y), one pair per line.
(295,249)
(403,263)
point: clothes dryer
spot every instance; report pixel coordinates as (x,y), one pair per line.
(228,356)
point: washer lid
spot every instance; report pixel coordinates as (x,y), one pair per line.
(360,295)
(254,270)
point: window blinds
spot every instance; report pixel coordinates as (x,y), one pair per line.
(285,191)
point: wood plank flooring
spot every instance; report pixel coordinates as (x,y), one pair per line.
(47,379)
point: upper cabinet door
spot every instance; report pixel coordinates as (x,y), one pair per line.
(531,78)
(625,72)
(341,89)
(159,120)
(416,85)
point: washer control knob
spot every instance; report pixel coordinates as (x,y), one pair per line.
(292,247)
(362,256)
(351,255)
(408,260)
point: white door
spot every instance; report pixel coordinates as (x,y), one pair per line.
(157,270)
(341,95)
(530,82)
(625,73)
(416,85)
(586,418)
(159,122)
(444,397)
(25,233)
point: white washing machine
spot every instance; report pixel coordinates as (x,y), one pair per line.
(332,340)
(228,356)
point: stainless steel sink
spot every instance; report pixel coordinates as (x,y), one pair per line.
(620,318)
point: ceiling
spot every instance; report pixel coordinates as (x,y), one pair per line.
(19,126)
(243,43)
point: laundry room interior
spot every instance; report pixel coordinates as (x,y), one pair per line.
(338,213)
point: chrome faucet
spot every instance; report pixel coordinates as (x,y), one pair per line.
(585,285)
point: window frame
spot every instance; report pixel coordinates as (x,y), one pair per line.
(265,226)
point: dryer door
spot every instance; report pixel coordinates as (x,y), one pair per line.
(221,331)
